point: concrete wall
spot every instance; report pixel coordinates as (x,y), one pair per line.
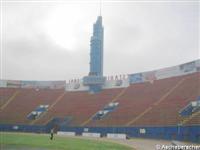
(73,87)
(113,84)
(182,133)
(183,69)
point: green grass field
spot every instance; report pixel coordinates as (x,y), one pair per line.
(22,141)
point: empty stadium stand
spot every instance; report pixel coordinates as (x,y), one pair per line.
(6,95)
(137,99)
(79,105)
(24,102)
(140,104)
(167,111)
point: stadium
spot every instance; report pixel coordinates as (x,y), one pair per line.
(141,111)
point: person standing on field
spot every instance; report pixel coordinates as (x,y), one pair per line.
(52,132)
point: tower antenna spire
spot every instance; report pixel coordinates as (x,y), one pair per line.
(100,7)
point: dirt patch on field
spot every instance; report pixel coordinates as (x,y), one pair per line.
(137,143)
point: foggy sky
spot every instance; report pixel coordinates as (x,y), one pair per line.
(137,37)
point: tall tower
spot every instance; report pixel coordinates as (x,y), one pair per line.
(96,49)
(95,79)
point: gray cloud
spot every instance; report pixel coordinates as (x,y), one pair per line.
(138,37)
